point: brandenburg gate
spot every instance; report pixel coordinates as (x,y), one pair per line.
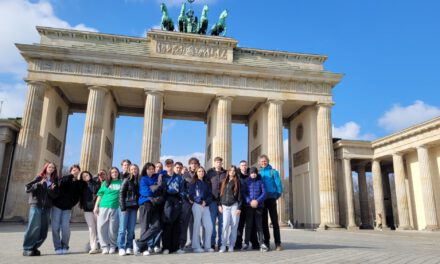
(180,76)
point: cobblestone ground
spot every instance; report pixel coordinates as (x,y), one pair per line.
(300,246)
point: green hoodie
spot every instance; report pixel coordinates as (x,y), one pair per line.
(110,195)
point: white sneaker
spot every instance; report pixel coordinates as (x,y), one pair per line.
(65,251)
(222,249)
(129,251)
(231,249)
(198,250)
(180,251)
(165,252)
(59,252)
(122,252)
(210,250)
(157,250)
(112,250)
(146,253)
(105,251)
(94,251)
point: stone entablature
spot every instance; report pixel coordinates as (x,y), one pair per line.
(408,139)
(353,149)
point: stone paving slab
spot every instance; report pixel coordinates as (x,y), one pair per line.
(301,246)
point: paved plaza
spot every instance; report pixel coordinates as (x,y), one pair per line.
(301,246)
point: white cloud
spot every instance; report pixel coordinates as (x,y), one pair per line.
(351,130)
(400,117)
(168,125)
(13,97)
(184,158)
(18,21)
(19,18)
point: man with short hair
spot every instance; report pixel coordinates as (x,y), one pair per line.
(243,175)
(125,169)
(172,207)
(274,189)
(216,175)
(159,168)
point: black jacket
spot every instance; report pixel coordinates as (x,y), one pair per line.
(229,197)
(88,192)
(39,194)
(69,193)
(130,191)
(216,178)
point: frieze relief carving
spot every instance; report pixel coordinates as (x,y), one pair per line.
(189,78)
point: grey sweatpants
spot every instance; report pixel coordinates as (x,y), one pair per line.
(108,225)
(202,217)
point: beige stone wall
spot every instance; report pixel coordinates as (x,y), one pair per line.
(52,101)
(306,209)
(258,119)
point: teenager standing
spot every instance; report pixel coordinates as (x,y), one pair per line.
(106,208)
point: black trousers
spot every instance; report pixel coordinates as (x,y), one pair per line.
(254,218)
(171,235)
(240,231)
(184,221)
(149,220)
(270,206)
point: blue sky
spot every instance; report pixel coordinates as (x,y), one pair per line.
(388,51)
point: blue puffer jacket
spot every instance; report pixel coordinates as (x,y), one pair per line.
(144,188)
(200,191)
(272,182)
(254,190)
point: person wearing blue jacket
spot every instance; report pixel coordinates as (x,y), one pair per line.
(254,193)
(149,212)
(200,196)
(274,188)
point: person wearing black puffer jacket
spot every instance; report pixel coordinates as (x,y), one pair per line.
(89,189)
(128,206)
(41,191)
(69,192)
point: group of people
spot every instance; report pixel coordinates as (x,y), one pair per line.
(180,208)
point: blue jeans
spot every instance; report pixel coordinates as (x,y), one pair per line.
(127,224)
(38,226)
(60,220)
(215,214)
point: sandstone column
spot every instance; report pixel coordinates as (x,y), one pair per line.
(152,135)
(27,152)
(427,188)
(327,180)
(363,197)
(349,194)
(91,145)
(222,141)
(378,193)
(401,195)
(275,150)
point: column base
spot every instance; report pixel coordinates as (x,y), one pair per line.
(431,228)
(326,227)
(351,228)
(404,228)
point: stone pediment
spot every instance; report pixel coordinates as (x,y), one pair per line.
(176,45)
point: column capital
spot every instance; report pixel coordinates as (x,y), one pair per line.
(398,154)
(153,92)
(225,97)
(422,147)
(275,101)
(44,84)
(324,104)
(98,87)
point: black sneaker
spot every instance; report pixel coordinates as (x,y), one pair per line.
(245,247)
(264,248)
(37,252)
(28,253)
